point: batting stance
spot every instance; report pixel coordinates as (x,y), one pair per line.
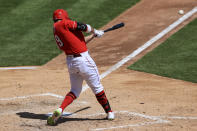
(69,38)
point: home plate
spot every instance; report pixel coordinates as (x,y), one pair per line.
(63,114)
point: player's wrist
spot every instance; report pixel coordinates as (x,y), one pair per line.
(98,33)
(89,28)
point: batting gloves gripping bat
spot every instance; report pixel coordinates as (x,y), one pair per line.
(98,33)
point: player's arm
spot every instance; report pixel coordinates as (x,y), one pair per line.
(89,38)
(84,27)
(73,25)
(89,29)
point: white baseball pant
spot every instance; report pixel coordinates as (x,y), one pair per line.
(83,68)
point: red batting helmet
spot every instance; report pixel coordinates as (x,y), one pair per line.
(60,14)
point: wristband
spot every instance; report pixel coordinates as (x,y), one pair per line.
(89,28)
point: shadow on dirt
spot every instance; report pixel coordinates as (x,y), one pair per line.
(32,115)
(61,119)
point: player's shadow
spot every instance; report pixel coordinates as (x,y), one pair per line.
(61,120)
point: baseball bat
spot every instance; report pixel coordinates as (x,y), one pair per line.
(117,26)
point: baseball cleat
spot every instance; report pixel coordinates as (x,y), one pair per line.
(53,119)
(110,116)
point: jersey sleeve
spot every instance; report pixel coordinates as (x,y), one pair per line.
(74,25)
(71,24)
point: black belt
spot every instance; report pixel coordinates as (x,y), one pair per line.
(77,55)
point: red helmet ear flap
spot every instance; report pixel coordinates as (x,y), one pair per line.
(60,14)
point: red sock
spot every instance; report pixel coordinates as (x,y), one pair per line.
(68,100)
(102,99)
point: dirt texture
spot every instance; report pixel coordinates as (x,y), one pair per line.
(141,101)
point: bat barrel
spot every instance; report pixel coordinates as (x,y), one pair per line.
(115,27)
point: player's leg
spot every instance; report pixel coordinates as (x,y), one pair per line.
(102,99)
(76,86)
(76,82)
(91,75)
(94,82)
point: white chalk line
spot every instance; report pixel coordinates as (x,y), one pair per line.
(28,96)
(119,64)
(126,59)
(127,126)
(18,68)
(135,53)
(180,117)
(146,45)
(154,119)
(37,95)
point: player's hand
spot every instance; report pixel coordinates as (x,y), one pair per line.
(98,33)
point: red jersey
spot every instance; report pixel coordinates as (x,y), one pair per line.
(68,39)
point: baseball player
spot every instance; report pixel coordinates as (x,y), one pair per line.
(70,39)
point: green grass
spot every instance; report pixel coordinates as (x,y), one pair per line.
(26,36)
(175,58)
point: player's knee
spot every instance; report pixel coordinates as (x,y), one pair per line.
(98,89)
(76,92)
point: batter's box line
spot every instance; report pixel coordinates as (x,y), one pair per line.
(127,126)
(37,95)
(156,120)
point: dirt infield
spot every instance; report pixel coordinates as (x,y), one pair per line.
(141,101)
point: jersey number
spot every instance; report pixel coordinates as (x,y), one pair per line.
(59,42)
